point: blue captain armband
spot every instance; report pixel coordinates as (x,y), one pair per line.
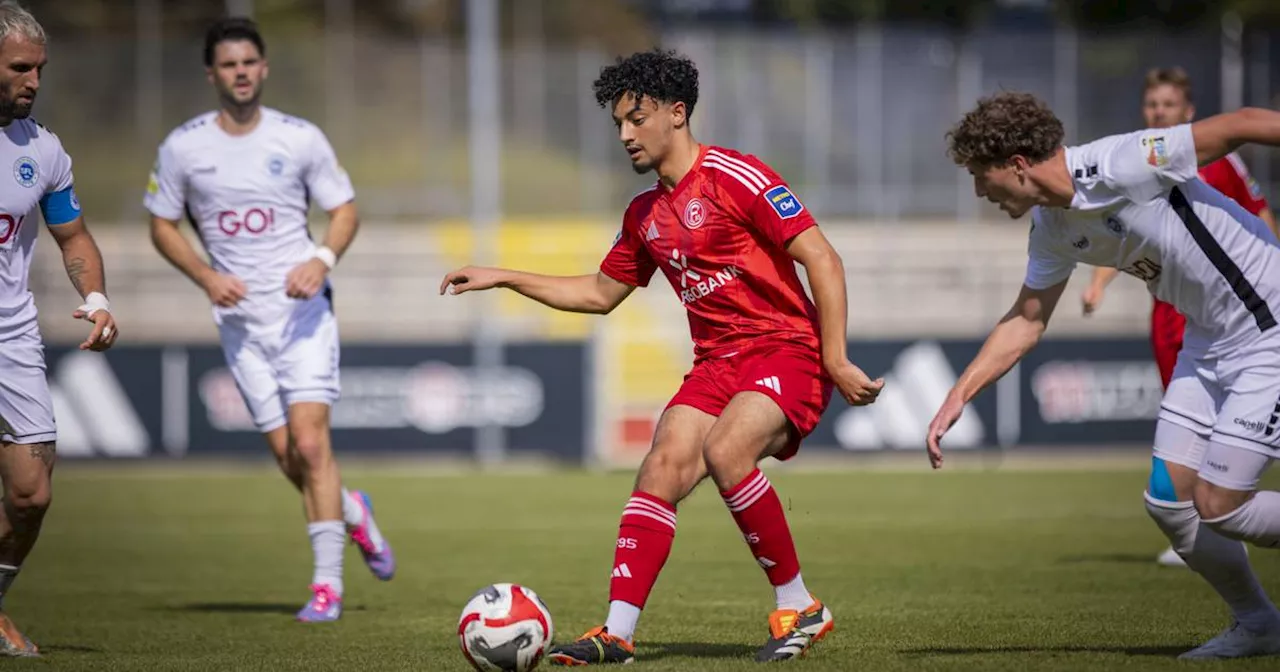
(60,207)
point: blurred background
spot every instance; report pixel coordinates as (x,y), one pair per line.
(471,135)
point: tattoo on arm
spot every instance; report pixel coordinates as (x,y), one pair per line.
(75,271)
(45,452)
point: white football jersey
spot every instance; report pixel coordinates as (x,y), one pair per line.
(38,175)
(1140,207)
(248,197)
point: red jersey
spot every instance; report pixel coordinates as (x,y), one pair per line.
(720,237)
(1230,176)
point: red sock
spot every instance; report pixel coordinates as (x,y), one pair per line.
(644,541)
(758,512)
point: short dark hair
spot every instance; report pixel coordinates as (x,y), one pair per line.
(232,28)
(1175,77)
(1003,126)
(665,76)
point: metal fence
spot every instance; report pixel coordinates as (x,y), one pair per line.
(854,119)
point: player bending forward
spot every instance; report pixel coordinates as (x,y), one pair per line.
(245,176)
(1166,101)
(726,231)
(41,178)
(1135,202)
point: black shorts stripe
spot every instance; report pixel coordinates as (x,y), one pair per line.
(1246,439)
(1221,261)
(1186,417)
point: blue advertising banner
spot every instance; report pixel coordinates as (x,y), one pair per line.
(141,401)
(918,375)
(1065,392)
(404,400)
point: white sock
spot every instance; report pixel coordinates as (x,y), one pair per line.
(1257,521)
(352,514)
(7,574)
(622,619)
(1221,561)
(793,594)
(327,539)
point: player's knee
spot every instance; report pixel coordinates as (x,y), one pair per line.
(669,474)
(723,455)
(1215,503)
(1245,522)
(32,505)
(311,450)
(29,497)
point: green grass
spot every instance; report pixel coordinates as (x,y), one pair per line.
(185,569)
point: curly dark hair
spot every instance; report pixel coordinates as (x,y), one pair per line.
(665,76)
(1003,126)
(232,29)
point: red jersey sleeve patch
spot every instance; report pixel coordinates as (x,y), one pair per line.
(783,202)
(760,197)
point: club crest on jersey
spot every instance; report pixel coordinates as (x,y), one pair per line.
(275,165)
(695,214)
(783,202)
(1114,225)
(1157,151)
(25,171)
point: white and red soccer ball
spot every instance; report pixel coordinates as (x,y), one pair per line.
(505,628)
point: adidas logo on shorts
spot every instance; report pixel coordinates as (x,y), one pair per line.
(770,382)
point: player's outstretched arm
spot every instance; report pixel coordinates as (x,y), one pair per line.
(1221,134)
(1097,289)
(594,293)
(223,290)
(830,295)
(1016,334)
(83,260)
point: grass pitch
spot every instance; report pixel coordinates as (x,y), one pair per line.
(188,569)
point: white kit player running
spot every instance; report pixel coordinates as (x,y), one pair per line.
(245,176)
(1135,202)
(40,178)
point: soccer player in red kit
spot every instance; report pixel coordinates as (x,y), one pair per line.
(726,231)
(1166,102)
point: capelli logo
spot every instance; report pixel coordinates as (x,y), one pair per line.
(1254,425)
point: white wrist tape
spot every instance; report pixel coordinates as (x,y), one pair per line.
(327,256)
(93,303)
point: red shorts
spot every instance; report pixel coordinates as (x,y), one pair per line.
(793,377)
(1167,325)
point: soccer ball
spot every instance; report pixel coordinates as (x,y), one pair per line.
(505,628)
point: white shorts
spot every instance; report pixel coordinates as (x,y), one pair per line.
(1234,404)
(293,362)
(26,408)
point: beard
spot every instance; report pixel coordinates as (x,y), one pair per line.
(11,107)
(229,97)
